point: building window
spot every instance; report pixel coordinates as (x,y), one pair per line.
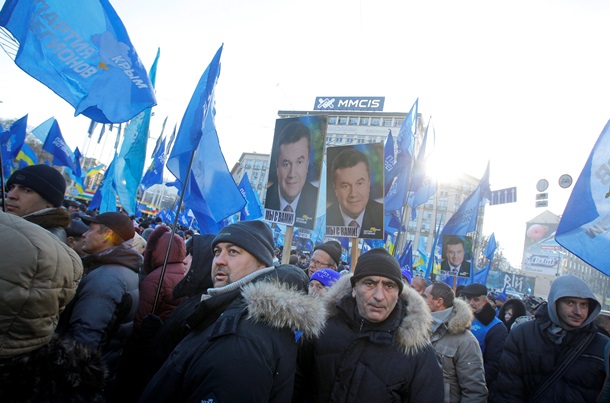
(387,122)
(398,122)
(257,164)
(376,122)
(364,121)
(349,140)
(342,120)
(332,120)
(339,140)
(353,121)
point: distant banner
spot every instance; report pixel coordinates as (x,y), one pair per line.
(497,280)
(349,104)
(541,251)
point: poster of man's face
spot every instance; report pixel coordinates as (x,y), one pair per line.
(354,191)
(457,251)
(294,171)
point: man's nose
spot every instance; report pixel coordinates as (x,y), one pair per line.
(378,294)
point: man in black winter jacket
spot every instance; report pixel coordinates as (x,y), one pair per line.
(536,348)
(241,345)
(376,344)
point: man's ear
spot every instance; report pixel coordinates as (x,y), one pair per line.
(70,241)
(354,292)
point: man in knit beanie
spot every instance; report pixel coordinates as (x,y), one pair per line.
(242,332)
(376,343)
(36,193)
(327,254)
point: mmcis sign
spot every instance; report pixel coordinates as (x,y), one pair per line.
(374,104)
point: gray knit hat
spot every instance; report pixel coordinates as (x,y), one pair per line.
(253,236)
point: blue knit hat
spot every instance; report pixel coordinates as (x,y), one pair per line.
(253,236)
(327,277)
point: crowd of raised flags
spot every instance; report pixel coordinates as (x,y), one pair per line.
(209,197)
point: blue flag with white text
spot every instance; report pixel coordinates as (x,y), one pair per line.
(82,52)
(56,146)
(585,223)
(252,210)
(130,162)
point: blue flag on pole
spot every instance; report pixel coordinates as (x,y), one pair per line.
(130,162)
(432,259)
(209,175)
(481,276)
(400,172)
(104,197)
(11,142)
(43,129)
(465,218)
(57,147)
(252,210)
(82,52)
(154,174)
(584,225)
(406,259)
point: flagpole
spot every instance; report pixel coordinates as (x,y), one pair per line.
(173,230)
(3,186)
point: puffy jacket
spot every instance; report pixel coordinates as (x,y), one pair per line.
(242,346)
(530,357)
(38,277)
(101,314)
(460,357)
(154,257)
(355,361)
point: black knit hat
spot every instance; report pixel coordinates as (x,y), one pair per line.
(333,248)
(378,262)
(253,236)
(42,179)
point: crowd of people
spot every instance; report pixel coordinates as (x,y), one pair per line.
(104,307)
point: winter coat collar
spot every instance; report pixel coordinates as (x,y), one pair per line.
(122,255)
(415,327)
(460,319)
(487,314)
(51,217)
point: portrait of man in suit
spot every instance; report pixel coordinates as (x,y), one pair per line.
(454,254)
(350,172)
(291,192)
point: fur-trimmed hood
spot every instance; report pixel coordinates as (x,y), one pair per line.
(461,317)
(280,305)
(415,328)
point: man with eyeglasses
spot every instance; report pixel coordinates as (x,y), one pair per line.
(326,255)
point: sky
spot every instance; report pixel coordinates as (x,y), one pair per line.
(522,85)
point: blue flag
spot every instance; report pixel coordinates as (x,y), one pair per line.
(432,259)
(82,52)
(464,220)
(252,210)
(406,259)
(197,140)
(400,172)
(105,195)
(43,129)
(481,276)
(11,142)
(130,162)
(57,147)
(77,174)
(583,229)
(388,161)
(154,174)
